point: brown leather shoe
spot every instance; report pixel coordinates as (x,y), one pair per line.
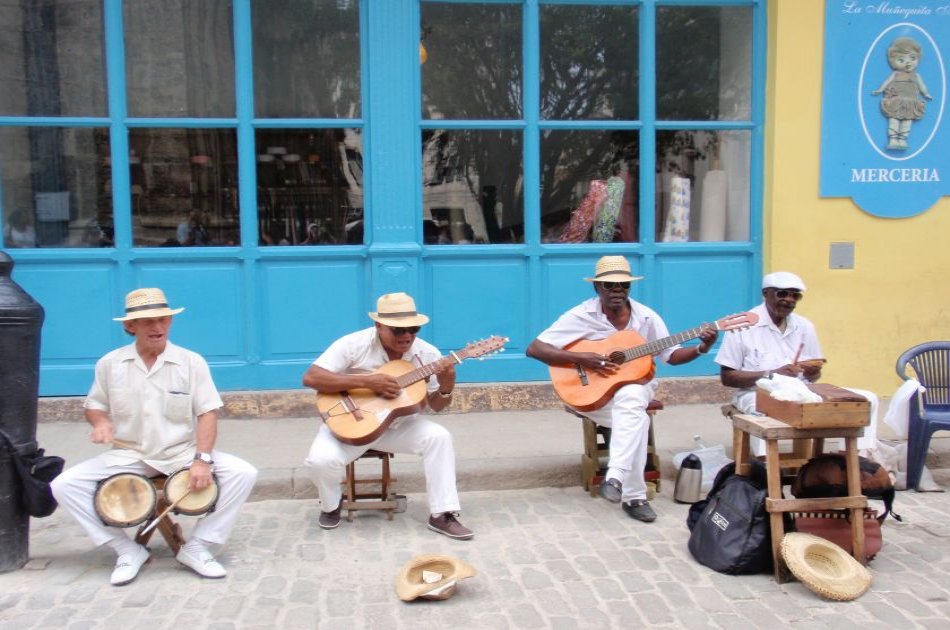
(446,523)
(331,520)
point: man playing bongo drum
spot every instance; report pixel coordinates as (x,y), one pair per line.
(156,404)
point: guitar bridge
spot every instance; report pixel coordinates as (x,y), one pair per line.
(351,406)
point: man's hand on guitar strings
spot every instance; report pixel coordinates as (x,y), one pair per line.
(597,362)
(384,385)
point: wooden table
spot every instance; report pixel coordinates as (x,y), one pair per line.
(772,430)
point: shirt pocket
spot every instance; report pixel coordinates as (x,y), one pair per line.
(123,403)
(178,406)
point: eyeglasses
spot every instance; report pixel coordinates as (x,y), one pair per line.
(787,293)
(609,286)
(399,332)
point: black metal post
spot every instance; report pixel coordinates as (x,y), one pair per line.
(21,319)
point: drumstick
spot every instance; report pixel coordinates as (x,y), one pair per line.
(799,353)
(124,444)
(158,518)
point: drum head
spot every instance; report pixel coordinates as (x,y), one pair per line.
(125,499)
(197,501)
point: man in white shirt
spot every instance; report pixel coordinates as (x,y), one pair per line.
(353,362)
(156,404)
(596,319)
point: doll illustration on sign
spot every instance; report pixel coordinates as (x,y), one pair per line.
(902,91)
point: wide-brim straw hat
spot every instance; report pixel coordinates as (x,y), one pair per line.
(613,269)
(397,309)
(146,303)
(443,571)
(824,567)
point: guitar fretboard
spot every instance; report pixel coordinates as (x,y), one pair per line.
(654,347)
(418,374)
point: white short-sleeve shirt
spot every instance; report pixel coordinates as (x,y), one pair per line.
(764,347)
(155,409)
(588,321)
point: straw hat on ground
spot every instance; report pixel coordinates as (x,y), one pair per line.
(612,269)
(824,567)
(431,577)
(397,309)
(143,303)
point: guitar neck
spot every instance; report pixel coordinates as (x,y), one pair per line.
(424,372)
(655,347)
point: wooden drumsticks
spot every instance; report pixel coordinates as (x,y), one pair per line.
(125,444)
(158,518)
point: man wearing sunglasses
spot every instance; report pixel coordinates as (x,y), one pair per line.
(352,362)
(782,342)
(598,318)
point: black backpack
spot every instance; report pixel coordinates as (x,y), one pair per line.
(730,528)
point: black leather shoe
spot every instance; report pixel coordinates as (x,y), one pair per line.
(611,489)
(331,520)
(640,510)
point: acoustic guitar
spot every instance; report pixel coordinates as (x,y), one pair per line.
(360,416)
(586,391)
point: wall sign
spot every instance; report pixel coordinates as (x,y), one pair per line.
(884,138)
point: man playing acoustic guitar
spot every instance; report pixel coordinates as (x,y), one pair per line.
(352,364)
(625,412)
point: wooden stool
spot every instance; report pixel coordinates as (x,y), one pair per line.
(772,430)
(381,499)
(169,529)
(597,452)
(803,449)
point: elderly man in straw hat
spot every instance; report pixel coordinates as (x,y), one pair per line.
(598,318)
(350,363)
(156,404)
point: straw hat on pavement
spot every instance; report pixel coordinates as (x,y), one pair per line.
(824,567)
(431,577)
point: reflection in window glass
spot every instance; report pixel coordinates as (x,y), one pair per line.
(703,186)
(56,187)
(179,57)
(184,187)
(472,187)
(310,186)
(53,58)
(588,62)
(473,61)
(704,63)
(589,186)
(306,58)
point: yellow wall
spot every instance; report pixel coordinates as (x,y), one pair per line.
(898,293)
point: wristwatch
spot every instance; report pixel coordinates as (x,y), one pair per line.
(204,457)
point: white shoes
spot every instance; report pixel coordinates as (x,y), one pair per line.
(202,563)
(127,566)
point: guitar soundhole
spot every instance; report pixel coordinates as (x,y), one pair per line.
(616,356)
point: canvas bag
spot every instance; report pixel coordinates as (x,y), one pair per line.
(35,472)
(730,529)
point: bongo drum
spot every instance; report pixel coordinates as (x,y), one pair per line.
(125,499)
(197,502)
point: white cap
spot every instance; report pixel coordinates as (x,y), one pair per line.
(782,280)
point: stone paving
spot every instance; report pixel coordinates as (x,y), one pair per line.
(546,557)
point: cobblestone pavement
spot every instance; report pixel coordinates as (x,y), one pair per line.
(546,558)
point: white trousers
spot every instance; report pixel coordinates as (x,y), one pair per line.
(626,415)
(328,458)
(75,489)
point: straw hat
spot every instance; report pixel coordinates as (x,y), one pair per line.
(146,303)
(431,577)
(824,567)
(612,269)
(397,309)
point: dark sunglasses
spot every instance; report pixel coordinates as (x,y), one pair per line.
(785,293)
(399,332)
(615,285)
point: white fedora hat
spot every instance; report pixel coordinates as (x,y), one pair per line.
(612,269)
(397,309)
(143,303)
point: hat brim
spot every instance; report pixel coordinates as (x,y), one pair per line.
(152,312)
(409,585)
(413,320)
(824,567)
(615,276)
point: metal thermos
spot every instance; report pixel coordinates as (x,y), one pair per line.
(689,480)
